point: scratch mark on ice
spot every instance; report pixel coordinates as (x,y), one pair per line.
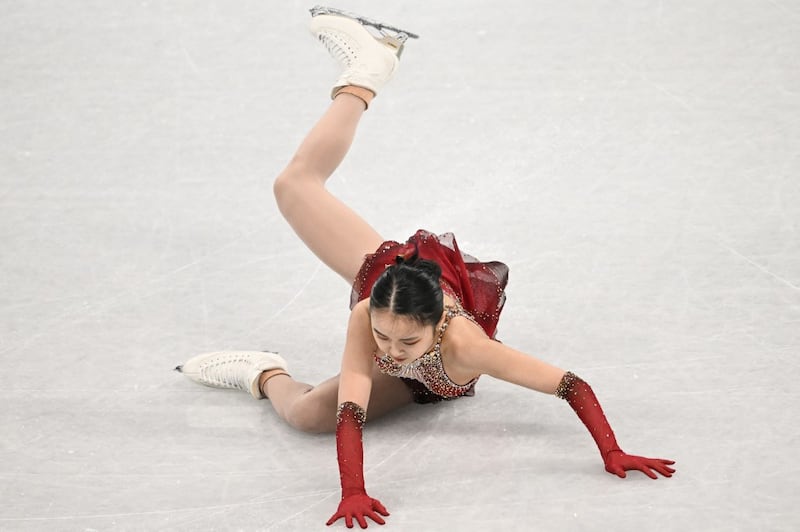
(299,292)
(189,59)
(759,266)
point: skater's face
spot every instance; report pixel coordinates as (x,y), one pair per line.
(402,338)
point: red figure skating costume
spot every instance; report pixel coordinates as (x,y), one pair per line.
(478,287)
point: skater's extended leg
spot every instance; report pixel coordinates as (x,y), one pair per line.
(305,407)
(313,408)
(333,231)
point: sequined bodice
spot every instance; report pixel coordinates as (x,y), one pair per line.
(428,369)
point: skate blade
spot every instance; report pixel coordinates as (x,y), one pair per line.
(395,39)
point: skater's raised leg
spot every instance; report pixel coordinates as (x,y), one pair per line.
(333,231)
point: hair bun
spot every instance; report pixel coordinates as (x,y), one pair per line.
(429,267)
(409,257)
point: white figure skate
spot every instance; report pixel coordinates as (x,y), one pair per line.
(238,370)
(368,51)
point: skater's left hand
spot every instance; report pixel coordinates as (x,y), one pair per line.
(617,462)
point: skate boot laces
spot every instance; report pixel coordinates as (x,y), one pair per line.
(232,369)
(227,371)
(338,47)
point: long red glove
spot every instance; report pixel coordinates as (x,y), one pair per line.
(581,398)
(350,452)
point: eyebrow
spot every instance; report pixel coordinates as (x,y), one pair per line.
(409,339)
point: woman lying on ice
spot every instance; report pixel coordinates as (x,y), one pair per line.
(423,314)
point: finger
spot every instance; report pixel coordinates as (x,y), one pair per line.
(646,470)
(659,465)
(375,517)
(361,521)
(616,470)
(667,462)
(335,517)
(381,509)
(348,520)
(664,470)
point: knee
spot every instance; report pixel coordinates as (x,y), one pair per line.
(283,187)
(293,182)
(310,419)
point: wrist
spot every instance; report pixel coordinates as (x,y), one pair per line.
(612,451)
(350,492)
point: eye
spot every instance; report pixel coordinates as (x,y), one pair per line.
(415,342)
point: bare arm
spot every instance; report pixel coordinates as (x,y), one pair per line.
(355,381)
(475,354)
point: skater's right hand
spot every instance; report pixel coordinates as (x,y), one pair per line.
(359,506)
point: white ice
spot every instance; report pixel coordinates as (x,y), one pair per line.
(637,165)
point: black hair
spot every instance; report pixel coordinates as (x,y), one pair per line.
(410,288)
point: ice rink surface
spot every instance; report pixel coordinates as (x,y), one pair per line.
(636,164)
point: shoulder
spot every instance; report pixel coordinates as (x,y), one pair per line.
(359,316)
(464,343)
(362,307)
(463,331)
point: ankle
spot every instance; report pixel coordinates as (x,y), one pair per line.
(365,95)
(266,376)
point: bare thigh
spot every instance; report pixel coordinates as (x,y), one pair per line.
(331,229)
(316,410)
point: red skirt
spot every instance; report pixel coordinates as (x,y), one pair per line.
(478,286)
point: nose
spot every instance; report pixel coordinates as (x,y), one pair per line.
(396,354)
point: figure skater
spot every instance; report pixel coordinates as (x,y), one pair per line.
(423,313)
